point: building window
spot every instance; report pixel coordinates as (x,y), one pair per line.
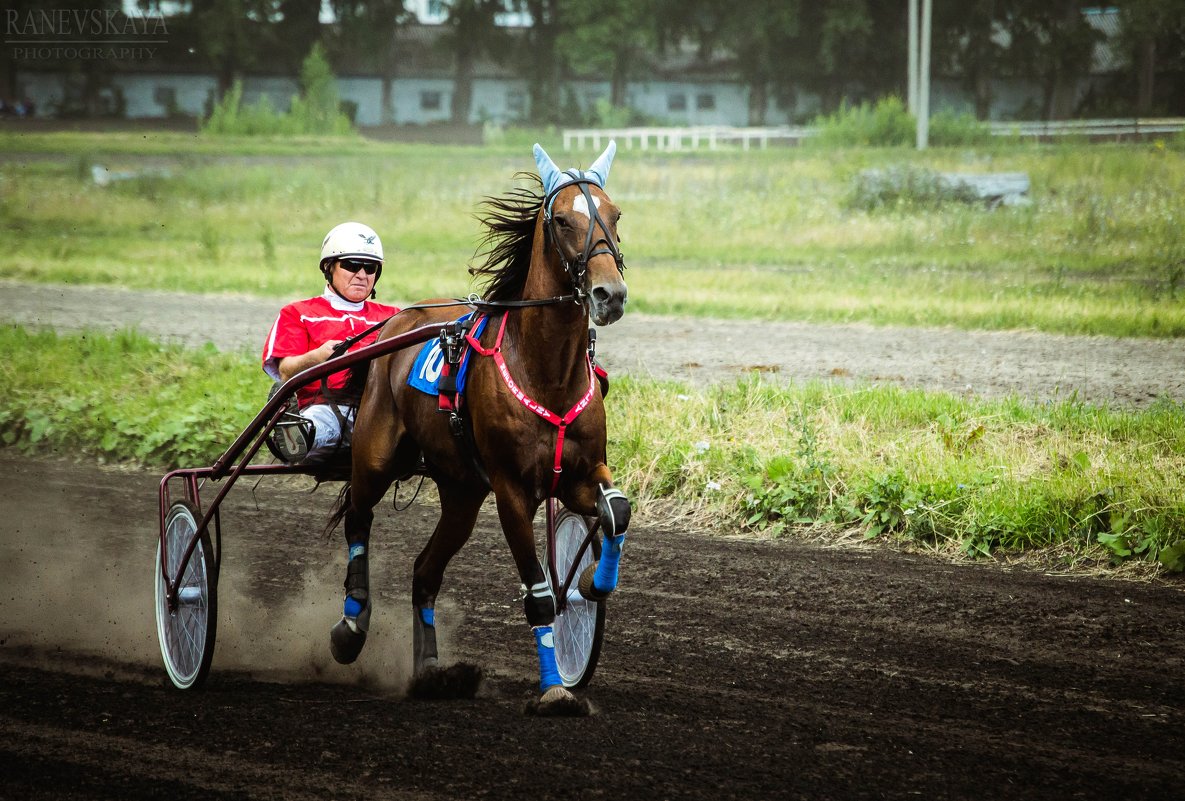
(430,101)
(516,103)
(705,102)
(165,97)
(677,102)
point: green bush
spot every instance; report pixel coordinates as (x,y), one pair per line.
(958,130)
(316,111)
(606,115)
(887,124)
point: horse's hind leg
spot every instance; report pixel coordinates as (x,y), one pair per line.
(348,635)
(377,444)
(458,512)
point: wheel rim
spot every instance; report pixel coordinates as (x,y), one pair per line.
(182,632)
(576,627)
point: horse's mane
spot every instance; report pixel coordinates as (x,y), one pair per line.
(509,222)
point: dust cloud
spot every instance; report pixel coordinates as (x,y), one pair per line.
(288,641)
(77,587)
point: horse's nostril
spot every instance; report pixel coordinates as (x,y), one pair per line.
(600,294)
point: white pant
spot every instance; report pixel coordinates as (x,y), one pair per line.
(328,432)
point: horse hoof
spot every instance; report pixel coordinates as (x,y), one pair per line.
(344,643)
(585,585)
(558,701)
(459,681)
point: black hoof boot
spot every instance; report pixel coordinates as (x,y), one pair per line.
(345,643)
(585,585)
(348,636)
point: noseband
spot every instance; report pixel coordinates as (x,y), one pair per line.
(605,244)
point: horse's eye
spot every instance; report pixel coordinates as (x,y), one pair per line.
(562,221)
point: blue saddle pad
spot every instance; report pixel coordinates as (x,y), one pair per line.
(425,373)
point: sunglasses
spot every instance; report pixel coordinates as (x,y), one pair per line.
(354,265)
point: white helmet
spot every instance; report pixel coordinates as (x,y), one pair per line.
(351,240)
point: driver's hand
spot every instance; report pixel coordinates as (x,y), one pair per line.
(326,349)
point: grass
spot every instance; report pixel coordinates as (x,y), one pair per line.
(951,474)
(765,235)
(761,235)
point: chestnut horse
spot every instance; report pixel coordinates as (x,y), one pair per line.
(534,422)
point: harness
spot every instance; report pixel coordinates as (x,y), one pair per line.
(456,340)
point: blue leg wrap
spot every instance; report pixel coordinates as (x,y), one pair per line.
(549,674)
(353,607)
(428,615)
(605,578)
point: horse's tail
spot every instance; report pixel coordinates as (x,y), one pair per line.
(340,507)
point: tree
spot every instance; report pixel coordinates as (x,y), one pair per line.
(473,33)
(24,22)
(371,26)
(230,33)
(967,43)
(1055,43)
(319,111)
(842,49)
(298,28)
(1153,31)
(758,33)
(541,64)
(609,37)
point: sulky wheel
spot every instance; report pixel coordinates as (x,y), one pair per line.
(578,629)
(186,633)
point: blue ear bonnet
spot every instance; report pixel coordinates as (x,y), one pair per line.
(553,178)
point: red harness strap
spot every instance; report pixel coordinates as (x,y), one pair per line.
(561,423)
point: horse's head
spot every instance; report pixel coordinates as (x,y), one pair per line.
(581,224)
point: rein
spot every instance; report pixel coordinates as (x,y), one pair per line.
(473,302)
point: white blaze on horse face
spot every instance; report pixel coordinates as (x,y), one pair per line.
(580,204)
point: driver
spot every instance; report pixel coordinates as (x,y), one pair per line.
(306,332)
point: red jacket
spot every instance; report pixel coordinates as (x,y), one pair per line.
(307,324)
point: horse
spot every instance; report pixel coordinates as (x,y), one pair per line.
(534,417)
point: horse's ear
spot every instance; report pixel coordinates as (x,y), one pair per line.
(548,172)
(600,167)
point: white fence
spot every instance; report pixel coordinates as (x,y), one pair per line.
(686,138)
(714,137)
(1097,129)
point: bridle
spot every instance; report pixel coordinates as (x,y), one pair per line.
(606,244)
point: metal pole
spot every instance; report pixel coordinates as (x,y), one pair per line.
(912,88)
(924,78)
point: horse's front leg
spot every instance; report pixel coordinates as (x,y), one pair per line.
(597,495)
(516,512)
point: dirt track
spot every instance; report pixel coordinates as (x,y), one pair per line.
(731,668)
